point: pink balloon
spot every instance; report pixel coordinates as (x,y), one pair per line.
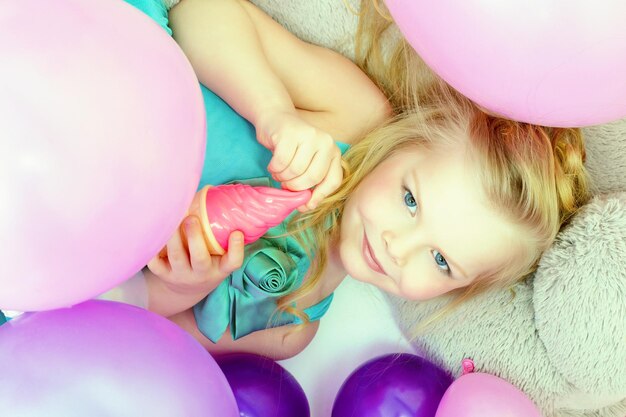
(547,62)
(484,395)
(101,358)
(101,147)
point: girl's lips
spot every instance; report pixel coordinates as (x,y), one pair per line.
(370,258)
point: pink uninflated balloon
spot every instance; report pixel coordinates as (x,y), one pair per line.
(547,62)
(101,147)
(484,395)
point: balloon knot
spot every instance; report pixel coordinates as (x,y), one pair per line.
(468,366)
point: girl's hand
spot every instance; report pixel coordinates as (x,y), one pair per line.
(303,156)
(185,264)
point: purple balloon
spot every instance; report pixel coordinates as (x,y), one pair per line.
(102,358)
(401,385)
(262,387)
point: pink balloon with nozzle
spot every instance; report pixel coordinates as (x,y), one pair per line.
(252,210)
(484,395)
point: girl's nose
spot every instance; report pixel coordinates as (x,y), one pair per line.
(400,246)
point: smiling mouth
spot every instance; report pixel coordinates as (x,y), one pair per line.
(370,258)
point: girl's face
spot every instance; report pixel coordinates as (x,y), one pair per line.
(418,226)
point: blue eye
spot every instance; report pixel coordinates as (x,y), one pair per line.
(409,201)
(441,262)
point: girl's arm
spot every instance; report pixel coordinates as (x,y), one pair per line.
(288,89)
(277,343)
(328,89)
(256,65)
(223,46)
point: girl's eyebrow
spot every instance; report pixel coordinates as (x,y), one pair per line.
(418,197)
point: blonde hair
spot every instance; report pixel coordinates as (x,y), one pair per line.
(533,175)
(389,60)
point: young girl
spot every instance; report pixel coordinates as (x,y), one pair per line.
(298,97)
(442,199)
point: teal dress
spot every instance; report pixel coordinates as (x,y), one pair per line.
(273,266)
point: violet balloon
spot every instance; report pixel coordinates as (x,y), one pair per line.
(484,395)
(392,385)
(547,62)
(262,387)
(101,151)
(102,358)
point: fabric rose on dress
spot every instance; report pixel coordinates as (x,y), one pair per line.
(246,298)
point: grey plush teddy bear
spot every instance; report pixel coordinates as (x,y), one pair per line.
(559,336)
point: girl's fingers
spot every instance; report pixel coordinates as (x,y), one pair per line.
(177,253)
(314,174)
(198,251)
(330,183)
(159,265)
(282,156)
(299,165)
(233,258)
(163,252)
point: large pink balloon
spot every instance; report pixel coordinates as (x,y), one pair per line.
(484,395)
(101,147)
(549,62)
(101,358)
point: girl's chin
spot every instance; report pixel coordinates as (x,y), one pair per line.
(353,273)
(361,276)
(356,277)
